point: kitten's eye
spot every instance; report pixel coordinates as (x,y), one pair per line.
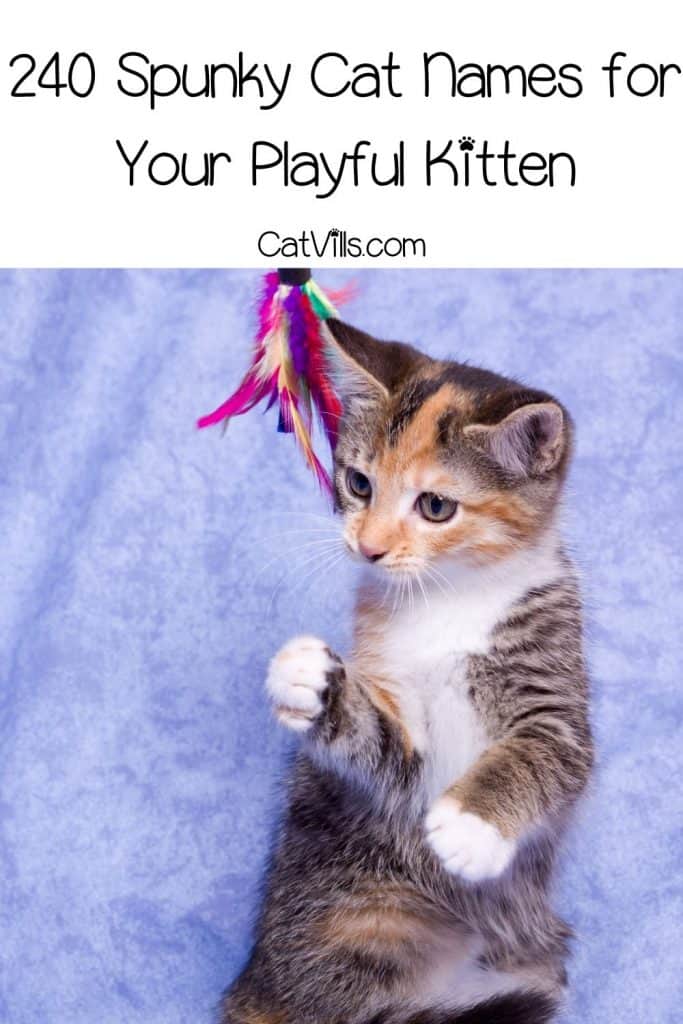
(435,508)
(358,483)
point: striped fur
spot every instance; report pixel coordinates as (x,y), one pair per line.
(442,758)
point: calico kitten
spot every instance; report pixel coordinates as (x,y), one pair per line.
(441,760)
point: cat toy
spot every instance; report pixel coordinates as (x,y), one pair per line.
(289,365)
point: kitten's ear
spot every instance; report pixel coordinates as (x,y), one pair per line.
(363,367)
(530,441)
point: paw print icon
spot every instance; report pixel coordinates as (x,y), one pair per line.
(466,143)
(334,232)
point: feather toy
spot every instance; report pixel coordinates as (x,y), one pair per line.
(289,365)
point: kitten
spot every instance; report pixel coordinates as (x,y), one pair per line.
(440,761)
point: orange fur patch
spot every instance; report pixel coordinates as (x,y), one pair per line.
(490,527)
(263,1017)
(417,443)
(370,619)
(509,517)
(519,518)
(385,922)
(386,702)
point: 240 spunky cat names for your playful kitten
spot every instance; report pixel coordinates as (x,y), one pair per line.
(461,163)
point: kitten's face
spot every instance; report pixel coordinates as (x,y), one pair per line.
(438,462)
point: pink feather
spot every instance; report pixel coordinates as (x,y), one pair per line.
(294,382)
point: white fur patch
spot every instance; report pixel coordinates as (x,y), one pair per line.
(424,652)
(297,678)
(466,844)
(456,979)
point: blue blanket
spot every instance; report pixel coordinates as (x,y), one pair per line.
(147,579)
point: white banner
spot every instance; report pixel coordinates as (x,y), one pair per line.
(371,134)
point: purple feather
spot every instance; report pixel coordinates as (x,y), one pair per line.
(297,331)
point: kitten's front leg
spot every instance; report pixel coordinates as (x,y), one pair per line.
(525,780)
(466,843)
(350,722)
(304,681)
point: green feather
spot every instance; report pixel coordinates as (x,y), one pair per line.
(321,304)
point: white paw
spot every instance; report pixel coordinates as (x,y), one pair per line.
(297,680)
(465,843)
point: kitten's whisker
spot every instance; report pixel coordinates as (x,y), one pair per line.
(444,578)
(400,594)
(318,559)
(308,530)
(316,556)
(325,564)
(314,534)
(293,551)
(422,588)
(395,585)
(434,579)
(401,591)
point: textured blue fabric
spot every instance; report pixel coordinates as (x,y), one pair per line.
(141,599)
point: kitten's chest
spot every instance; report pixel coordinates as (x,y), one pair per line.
(441,718)
(427,661)
(455,734)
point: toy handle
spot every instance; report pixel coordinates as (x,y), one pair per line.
(293,277)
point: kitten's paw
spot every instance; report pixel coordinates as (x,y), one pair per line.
(298,678)
(465,843)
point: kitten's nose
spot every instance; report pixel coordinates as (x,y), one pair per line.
(372,554)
